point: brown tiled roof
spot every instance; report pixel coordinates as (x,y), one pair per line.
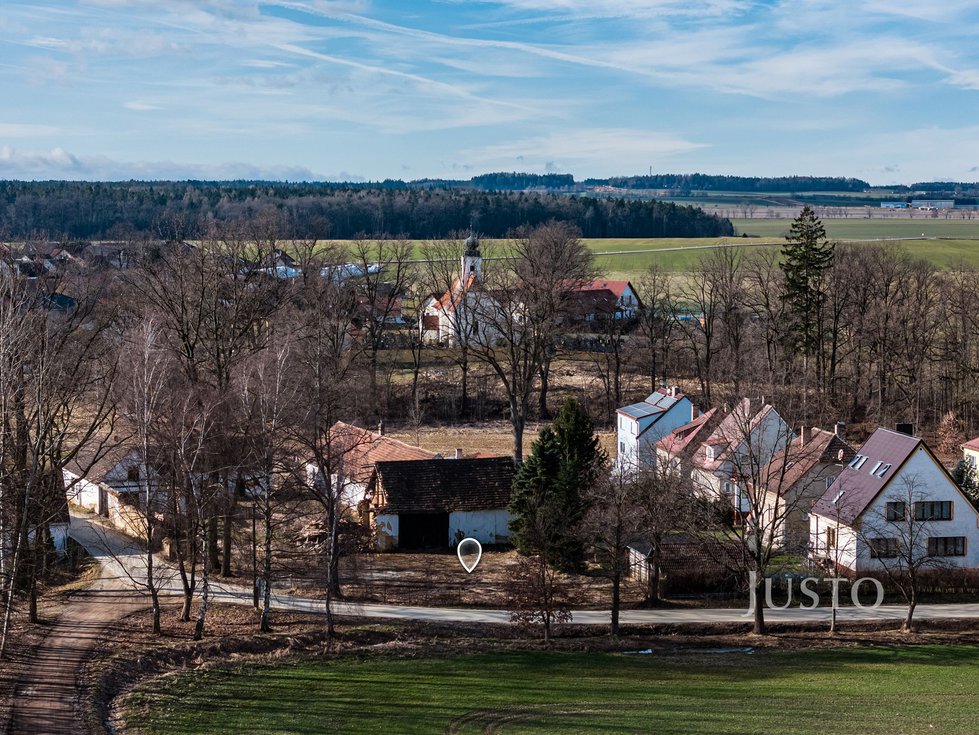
(359,449)
(681,437)
(859,486)
(444,485)
(972,444)
(732,432)
(792,464)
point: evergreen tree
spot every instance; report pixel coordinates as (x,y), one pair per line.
(547,503)
(806,258)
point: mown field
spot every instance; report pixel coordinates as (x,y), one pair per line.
(871,691)
(859,228)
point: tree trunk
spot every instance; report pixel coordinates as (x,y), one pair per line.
(758,627)
(464,387)
(212,541)
(545,373)
(616,602)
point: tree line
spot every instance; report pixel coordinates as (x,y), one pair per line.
(99,211)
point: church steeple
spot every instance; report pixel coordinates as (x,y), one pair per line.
(472,260)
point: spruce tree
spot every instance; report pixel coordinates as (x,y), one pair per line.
(547,503)
(806,258)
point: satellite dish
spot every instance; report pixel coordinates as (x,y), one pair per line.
(839,455)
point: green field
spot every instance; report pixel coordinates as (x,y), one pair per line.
(874,690)
(857,228)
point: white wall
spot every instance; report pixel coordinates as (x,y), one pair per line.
(82,492)
(486,526)
(635,449)
(930,483)
(386,527)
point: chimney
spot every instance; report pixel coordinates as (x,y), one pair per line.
(805,435)
(904,428)
(840,430)
(380,427)
(674,389)
(694,412)
(459,454)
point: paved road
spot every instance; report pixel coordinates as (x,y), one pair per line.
(126,562)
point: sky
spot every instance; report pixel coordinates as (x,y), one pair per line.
(371,89)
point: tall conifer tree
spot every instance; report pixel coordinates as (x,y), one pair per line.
(806,258)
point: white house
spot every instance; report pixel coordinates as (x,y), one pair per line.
(435,503)
(747,437)
(625,302)
(641,425)
(894,501)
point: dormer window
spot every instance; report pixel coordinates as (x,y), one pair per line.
(861,462)
(855,460)
(838,497)
(876,467)
(882,471)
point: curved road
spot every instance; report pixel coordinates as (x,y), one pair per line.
(122,561)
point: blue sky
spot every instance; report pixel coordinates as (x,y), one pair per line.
(369,89)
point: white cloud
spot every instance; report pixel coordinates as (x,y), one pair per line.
(58,163)
(139,106)
(609,149)
(27,130)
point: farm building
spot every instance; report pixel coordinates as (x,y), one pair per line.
(434,503)
(894,501)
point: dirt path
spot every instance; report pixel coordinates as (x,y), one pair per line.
(48,696)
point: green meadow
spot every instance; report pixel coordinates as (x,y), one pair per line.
(873,691)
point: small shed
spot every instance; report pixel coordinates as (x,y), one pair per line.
(434,503)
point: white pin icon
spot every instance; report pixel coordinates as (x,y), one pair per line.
(466,550)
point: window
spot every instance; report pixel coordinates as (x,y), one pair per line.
(621,448)
(856,458)
(830,539)
(933,510)
(876,467)
(882,471)
(946,546)
(897,511)
(709,452)
(860,462)
(828,481)
(132,473)
(883,548)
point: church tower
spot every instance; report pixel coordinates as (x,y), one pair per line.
(472,260)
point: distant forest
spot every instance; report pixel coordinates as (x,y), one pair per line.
(86,211)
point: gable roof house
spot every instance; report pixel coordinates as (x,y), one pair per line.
(354,453)
(795,479)
(111,481)
(747,437)
(641,425)
(435,503)
(601,299)
(894,500)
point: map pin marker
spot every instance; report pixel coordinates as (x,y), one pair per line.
(466,550)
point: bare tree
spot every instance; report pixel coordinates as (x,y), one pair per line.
(525,292)
(900,536)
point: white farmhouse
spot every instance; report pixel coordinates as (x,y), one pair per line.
(641,425)
(894,501)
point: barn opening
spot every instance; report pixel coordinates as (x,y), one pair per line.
(423,530)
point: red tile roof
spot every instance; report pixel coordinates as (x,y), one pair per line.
(361,449)
(616,287)
(681,437)
(972,444)
(792,464)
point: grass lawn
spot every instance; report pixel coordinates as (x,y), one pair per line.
(871,690)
